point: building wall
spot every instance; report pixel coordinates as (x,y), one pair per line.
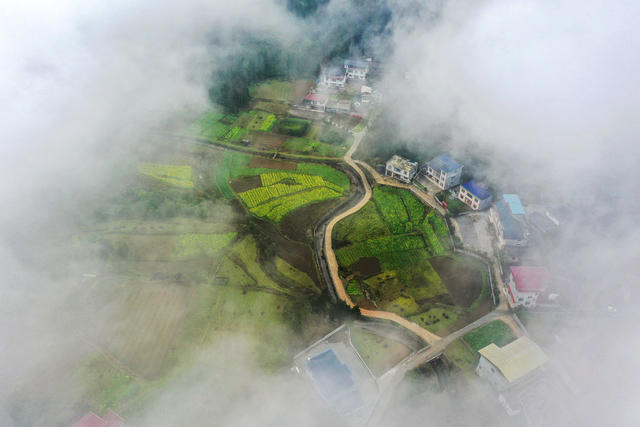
(444,180)
(485,369)
(525,299)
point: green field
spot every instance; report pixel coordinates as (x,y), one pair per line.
(282,192)
(462,356)
(397,255)
(313,147)
(496,332)
(196,244)
(175,175)
(294,126)
(272,90)
(379,353)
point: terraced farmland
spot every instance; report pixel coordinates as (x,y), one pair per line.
(408,244)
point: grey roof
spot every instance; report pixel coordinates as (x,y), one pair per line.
(402,163)
(512,228)
(443,163)
(356,63)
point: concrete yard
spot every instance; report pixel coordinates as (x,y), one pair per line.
(477,232)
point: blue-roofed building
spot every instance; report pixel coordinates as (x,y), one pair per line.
(356,69)
(510,231)
(443,171)
(514,203)
(475,195)
(334,382)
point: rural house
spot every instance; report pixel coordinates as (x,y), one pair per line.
(443,171)
(333,77)
(511,364)
(356,69)
(475,195)
(509,228)
(316,101)
(92,420)
(401,169)
(525,284)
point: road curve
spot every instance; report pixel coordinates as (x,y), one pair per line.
(332,262)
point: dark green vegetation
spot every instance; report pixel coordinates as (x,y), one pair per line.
(254,57)
(396,255)
(293,126)
(454,205)
(184,266)
(496,332)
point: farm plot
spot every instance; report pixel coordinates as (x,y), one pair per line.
(496,332)
(379,353)
(197,244)
(282,192)
(272,90)
(261,121)
(412,274)
(175,175)
(148,332)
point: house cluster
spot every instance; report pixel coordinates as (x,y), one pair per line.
(334,79)
(514,225)
(446,174)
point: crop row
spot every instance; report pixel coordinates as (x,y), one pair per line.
(276,209)
(433,240)
(392,209)
(438,224)
(377,247)
(178,176)
(271,178)
(257,196)
(267,124)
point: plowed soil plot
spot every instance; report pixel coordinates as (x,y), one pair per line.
(261,162)
(298,225)
(461,277)
(246,183)
(367,266)
(269,141)
(299,89)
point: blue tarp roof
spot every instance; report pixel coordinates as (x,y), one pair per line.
(444,163)
(515,205)
(334,382)
(512,228)
(477,189)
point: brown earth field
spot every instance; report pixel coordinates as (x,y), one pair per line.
(272,243)
(299,89)
(245,183)
(367,266)
(269,141)
(298,225)
(261,162)
(462,279)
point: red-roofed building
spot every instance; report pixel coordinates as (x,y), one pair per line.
(526,283)
(92,420)
(316,101)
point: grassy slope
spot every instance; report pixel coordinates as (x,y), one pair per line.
(496,332)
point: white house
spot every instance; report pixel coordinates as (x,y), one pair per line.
(443,171)
(356,69)
(333,77)
(525,284)
(401,169)
(475,195)
(514,363)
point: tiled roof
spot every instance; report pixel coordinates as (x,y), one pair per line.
(317,97)
(443,163)
(530,279)
(477,189)
(354,63)
(515,359)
